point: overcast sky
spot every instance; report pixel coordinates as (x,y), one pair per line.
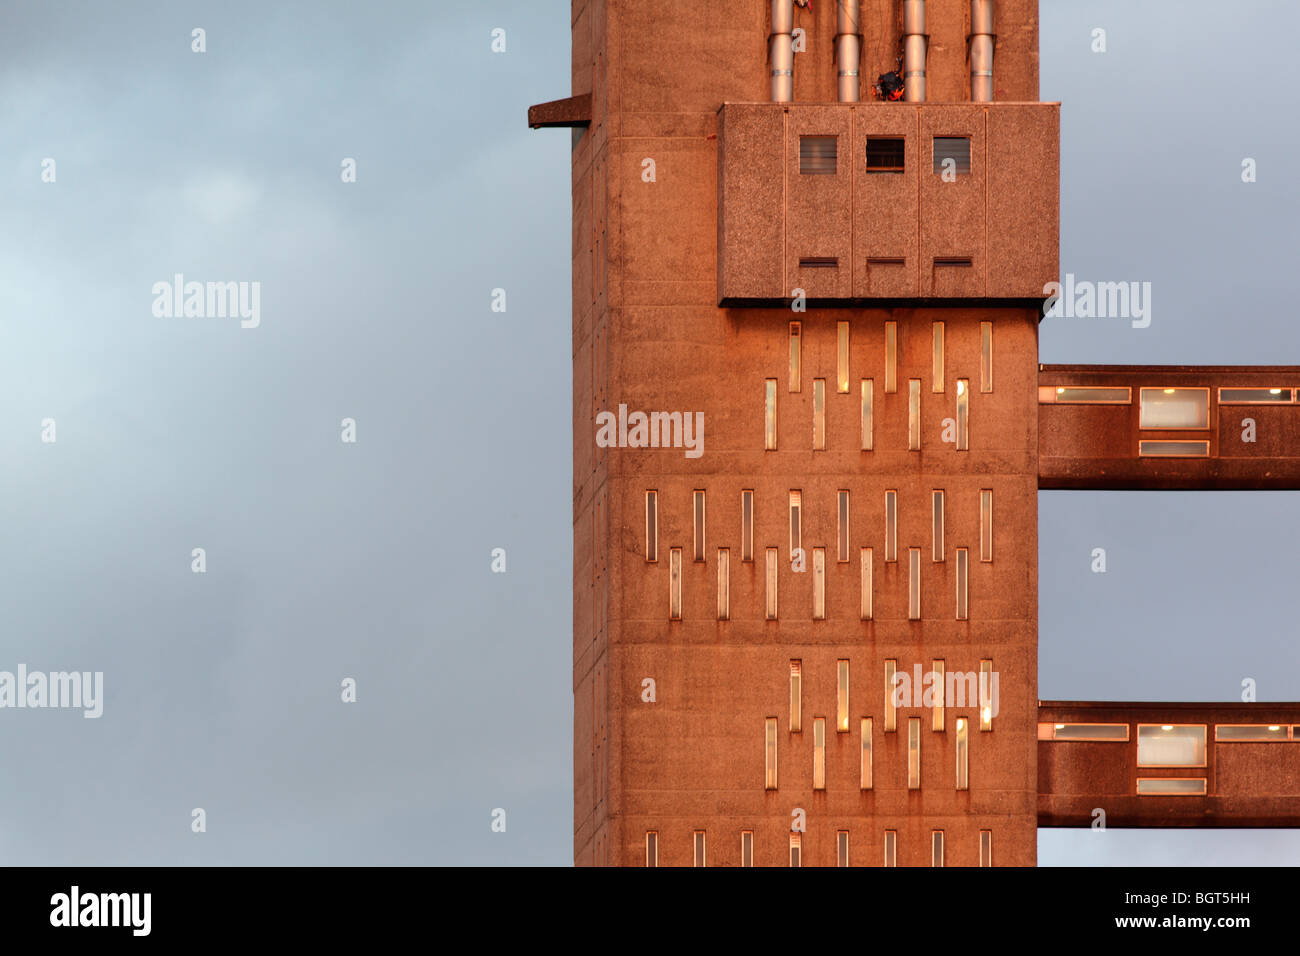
(370,560)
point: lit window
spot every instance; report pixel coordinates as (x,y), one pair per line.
(914,584)
(963,415)
(652,848)
(891,526)
(936,528)
(842,502)
(796,363)
(885,154)
(699,525)
(937,384)
(868,424)
(986,848)
(842,358)
(842,848)
(891,848)
(1173,449)
(699,848)
(842,696)
(986,356)
(1084,395)
(1228,733)
(1171,745)
(769,749)
(771,583)
(1170,787)
(796,847)
(986,695)
(796,534)
(937,668)
(675,584)
(796,696)
(963,593)
(819,753)
(864,770)
(986,524)
(652,526)
(914,414)
(891,710)
(891,357)
(819,414)
(819,584)
(963,782)
(1094,732)
(769,415)
(936,848)
(866,584)
(747,526)
(724,584)
(914,753)
(746,847)
(955,148)
(1255,396)
(1174,408)
(818,155)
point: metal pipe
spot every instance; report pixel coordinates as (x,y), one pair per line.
(848,48)
(981,51)
(781,43)
(915,42)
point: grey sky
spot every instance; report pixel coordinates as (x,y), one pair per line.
(329,560)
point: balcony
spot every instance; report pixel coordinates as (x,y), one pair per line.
(801,205)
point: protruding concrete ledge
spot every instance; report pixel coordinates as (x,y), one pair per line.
(574,111)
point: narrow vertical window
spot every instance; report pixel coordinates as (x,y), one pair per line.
(963,588)
(842,848)
(652,526)
(937,384)
(986,848)
(747,526)
(796,364)
(868,424)
(891,848)
(795,849)
(819,753)
(986,695)
(936,531)
(652,848)
(864,769)
(891,357)
(769,751)
(891,711)
(746,847)
(842,535)
(724,584)
(986,524)
(963,781)
(937,668)
(819,584)
(796,696)
(675,584)
(796,532)
(914,753)
(771,583)
(936,848)
(914,584)
(914,414)
(819,414)
(891,526)
(867,592)
(699,525)
(842,697)
(842,358)
(769,415)
(699,848)
(963,415)
(986,357)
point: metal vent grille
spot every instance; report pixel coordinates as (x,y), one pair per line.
(956,148)
(818,155)
(819,262)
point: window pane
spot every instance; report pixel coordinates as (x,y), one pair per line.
(747,526)
(1084,395)
(842,696)
(769,415)
(770,752)
(937,371)
(891,357)
(819,753)
(819,414)
(796,696)
(1174,449)
(986,524)
(747,848)
(865,562)
(986,356)
(885,154)
(675,584)
(699,525)
(891,525)
(891,848)
(652,526)
(842,506)
(1117,732)
(1170,786)
(963,592)
(913,753)
(1175,408)
(817,155)
(842,357)
(864,773)
(956,148)
(819,584)
(914,415)
(868,424)
(795,361)
(1255,396)
(1250,732)
(936,525)
(724,584)
(1169,745)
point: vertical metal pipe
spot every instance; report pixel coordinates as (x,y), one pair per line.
(981,51)
(781,43)
(915,42)
(848,48)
